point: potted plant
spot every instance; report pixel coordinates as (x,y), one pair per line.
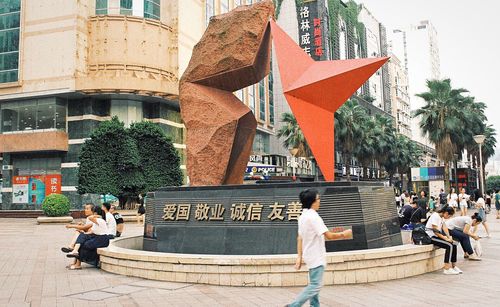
(56,208)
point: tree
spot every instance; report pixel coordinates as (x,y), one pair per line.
(293,136)
(111,162)
(440,118)
(493,183)
(349,130)
(159,160)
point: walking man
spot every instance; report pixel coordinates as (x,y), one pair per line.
(311,246)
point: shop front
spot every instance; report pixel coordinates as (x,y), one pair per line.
(429,179)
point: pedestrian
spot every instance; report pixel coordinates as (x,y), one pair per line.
(397,197)
(432,204)
(419,214)
(481,210)
(311,246)
(497,203)
(452,199)
(141,210)
(423,202)
(488,202)
(460,230)
(462,200)
(406,198)
(440,237)
(442,199)
(119,220)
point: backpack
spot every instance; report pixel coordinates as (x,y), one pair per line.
(419,236)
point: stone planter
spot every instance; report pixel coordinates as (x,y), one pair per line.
(54,219)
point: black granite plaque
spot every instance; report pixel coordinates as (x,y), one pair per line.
(262,218)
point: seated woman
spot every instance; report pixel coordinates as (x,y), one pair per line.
(87,243)
(440,237)
(79,228)
(460,229)
(119,221)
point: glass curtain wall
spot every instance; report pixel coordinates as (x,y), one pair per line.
(147,8)
(152,9)
(33,114)
(101,7)
(10,16)
(262,100)
(126,7)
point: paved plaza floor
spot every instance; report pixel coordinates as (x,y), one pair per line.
(33,273)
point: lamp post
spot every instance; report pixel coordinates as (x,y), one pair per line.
(480,140)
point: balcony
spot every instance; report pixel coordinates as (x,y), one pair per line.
(129,54)
(35,140)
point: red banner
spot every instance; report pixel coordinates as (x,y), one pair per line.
(52,184)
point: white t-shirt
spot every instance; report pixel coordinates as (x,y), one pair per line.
(480,203)
(111,223)
(463,200)
(311,230)
(88,221)
(100,228)
(435,219)
(458,222)
(453,199)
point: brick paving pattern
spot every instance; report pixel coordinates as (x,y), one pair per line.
(33,273)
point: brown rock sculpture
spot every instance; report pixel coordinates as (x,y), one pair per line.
(232,54)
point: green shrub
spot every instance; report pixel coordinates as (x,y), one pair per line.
(55,205)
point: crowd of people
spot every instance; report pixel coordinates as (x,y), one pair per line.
(102,224)
(445,218)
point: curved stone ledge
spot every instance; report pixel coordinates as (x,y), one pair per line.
(124,256)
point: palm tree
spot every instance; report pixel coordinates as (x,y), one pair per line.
(349,130)
(366,151)
(293,136)
(441,118)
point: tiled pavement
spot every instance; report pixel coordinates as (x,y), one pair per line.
(33,273)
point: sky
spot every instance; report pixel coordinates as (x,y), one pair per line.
(469,42)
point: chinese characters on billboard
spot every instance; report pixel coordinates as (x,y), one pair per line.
(33,189)
(310,30)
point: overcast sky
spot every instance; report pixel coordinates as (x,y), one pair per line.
(468,37)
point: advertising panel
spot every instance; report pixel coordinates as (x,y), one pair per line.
(20,188)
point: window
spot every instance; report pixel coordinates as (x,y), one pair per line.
(152,9)
(251,98)
(125,7)
(128,111)
(261,143)
(101,7)
(224,6)
(262,100)
(271,98)
(10,12)
(237,3)
(239,94)
(209,8)
(35,114)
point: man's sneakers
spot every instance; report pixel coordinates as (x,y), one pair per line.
(457,270)
(450,271)
(474,257)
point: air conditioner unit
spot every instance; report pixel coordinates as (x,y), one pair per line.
(6,167)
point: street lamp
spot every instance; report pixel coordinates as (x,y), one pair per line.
(480,140)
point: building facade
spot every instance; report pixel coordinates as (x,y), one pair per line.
(65,68)
(417,47)
(399,96)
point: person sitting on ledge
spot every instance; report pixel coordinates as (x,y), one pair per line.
(440,237)
(119,220)
(79,228)
(311,246)
(87,243)
(110,220)
(460,230)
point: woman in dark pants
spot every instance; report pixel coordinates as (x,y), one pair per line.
(460,229)
(87,243)
(440,237)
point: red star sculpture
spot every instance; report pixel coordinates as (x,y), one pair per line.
(315,90)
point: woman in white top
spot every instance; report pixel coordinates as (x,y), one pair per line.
(452,199)
(481,210)
(440,237)
(462,201)
(87,243)
(460,230)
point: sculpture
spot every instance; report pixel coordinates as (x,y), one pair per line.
(315,90)
(233,53)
